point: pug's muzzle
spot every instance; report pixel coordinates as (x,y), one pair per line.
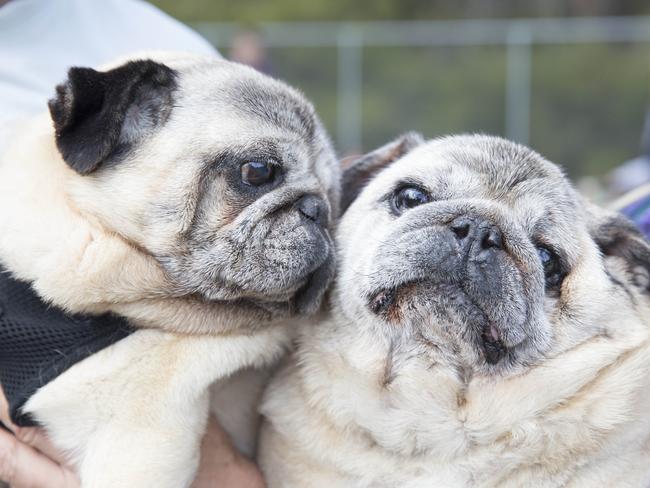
(277,257)
(307,268)
(458,275)
(320,265)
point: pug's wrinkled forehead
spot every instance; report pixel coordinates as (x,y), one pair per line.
(250,106)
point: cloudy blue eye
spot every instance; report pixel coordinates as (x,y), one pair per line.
(551,264)
(408,197)
(257,173)
(544,256)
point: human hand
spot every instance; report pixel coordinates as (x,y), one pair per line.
(222,465)
(29,460)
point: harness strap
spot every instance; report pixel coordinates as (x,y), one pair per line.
(38,342)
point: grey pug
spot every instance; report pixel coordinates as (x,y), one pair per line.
(189,195)
(488,328)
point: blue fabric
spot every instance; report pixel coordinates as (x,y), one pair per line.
(639,213)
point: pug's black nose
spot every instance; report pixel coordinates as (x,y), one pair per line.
(313,208)
(470,230)
(491,238)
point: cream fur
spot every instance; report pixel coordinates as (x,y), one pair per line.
(133,414)
(578,420)
(364,403)
(150,409)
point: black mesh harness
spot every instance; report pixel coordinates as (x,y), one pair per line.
(38,342)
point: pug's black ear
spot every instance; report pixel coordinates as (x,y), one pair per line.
(618,237)
(357,175)
(96,113)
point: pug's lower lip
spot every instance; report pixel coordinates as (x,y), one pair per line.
(493,346)
(382,301)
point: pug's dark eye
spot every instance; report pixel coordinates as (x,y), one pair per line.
(551,264)
(257,173)
(408,197)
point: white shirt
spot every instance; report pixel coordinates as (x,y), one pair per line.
(41,39)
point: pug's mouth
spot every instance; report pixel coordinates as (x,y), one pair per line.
(303,298)
(389,304)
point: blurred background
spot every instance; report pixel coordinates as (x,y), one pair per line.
(568,77)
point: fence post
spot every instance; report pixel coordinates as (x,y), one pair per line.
(349,88)
(518,82)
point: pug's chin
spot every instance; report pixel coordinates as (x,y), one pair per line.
(302,297)
(413,301)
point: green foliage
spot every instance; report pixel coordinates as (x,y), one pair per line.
(253,11)
(588,101)
(314,71)
(434,90)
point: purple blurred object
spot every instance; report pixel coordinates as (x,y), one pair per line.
(639,212)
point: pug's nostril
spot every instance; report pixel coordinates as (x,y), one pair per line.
(492,239)
(460,229)
(313,208)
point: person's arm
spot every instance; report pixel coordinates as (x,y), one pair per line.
(28,459)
